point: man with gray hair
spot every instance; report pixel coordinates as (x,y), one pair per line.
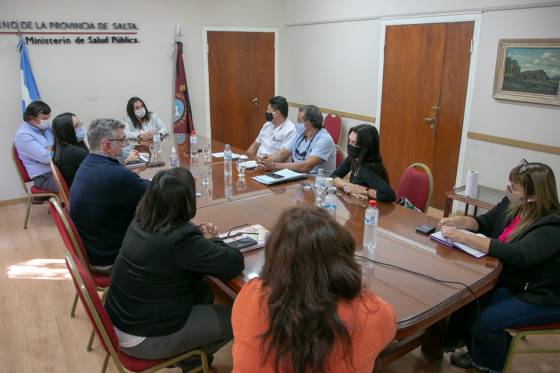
(104,194)
(311,148)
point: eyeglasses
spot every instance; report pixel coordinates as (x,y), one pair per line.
(239,233)
(523,170)
(123,140)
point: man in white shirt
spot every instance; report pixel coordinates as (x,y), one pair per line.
(276,132)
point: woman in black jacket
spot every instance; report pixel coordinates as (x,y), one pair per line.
(523,231)
(158,301)
(69,149)
(368,176)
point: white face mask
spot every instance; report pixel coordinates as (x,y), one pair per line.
(44,124)
(140,112)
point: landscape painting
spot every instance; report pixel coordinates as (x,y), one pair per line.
(528,70)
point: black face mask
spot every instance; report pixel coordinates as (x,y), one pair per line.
(353,151)
(268,116)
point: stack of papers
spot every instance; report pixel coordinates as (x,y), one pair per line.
(277,177)
(469,250)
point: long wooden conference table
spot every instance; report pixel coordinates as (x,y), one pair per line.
(421,303)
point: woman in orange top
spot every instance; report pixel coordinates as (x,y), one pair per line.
(308,311)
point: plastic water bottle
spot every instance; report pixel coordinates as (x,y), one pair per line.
(319,187)
(193,139)
(371,219)
(228,159)
(329,203)
(173,160)
(157,146)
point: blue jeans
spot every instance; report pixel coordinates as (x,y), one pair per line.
(500,309)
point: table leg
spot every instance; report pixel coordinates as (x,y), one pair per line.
(448,206)
(466,209)
(432,340)
(475,211)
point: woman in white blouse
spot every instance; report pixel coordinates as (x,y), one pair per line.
(141,124)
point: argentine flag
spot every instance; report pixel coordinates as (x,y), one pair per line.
(29,91)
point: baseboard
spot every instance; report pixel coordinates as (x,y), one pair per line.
(13,201)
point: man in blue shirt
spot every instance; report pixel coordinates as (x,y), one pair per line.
(34,140)
(104,194)
(311,148)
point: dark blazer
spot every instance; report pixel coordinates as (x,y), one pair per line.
(71,156)
(104,196)
(366,177)
(155,274)
(531,260)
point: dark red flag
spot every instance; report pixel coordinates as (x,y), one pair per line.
(182,117)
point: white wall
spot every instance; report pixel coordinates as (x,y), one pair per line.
(527,122)
(335,65)
(96,81)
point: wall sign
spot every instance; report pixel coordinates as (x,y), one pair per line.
(66,33)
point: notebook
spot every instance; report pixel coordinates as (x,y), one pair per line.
(278,177)
(437,236)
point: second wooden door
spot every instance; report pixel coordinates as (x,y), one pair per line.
(241,80)
(424,89)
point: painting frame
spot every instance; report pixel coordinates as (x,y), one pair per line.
(502,93)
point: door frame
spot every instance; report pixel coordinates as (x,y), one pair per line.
(448,18)
(205,30)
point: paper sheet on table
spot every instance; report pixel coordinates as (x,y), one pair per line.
(251,164)
(221,155)
(437,236)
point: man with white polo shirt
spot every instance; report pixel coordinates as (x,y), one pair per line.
(277,130)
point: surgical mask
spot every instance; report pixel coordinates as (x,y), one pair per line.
(126,152)
(140,112)
(44,124)
(353,151)
(268,116)
(514,199)
(80,134)
(300,127)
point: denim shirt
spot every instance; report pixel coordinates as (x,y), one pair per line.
(32,145)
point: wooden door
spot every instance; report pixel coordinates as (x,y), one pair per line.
(424,88)
(241,80)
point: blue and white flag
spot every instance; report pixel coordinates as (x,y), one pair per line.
(29,91)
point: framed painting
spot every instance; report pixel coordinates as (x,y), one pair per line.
(528,70)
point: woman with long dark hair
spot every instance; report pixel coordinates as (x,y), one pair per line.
(69,149)
(141,124)
(368,176)
(523,231)
(308,311)
(158,301)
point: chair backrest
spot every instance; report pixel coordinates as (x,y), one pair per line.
(68,231)
(20,168)
(417,186)
(63,191)
(333,125)
(87,291)
(339,155)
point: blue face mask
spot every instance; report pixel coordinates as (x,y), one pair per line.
(126,152)
(80,134)
(300,127)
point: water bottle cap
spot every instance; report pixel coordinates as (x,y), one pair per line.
(372,203)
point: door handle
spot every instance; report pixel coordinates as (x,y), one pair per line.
(255,100)
(430,121)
